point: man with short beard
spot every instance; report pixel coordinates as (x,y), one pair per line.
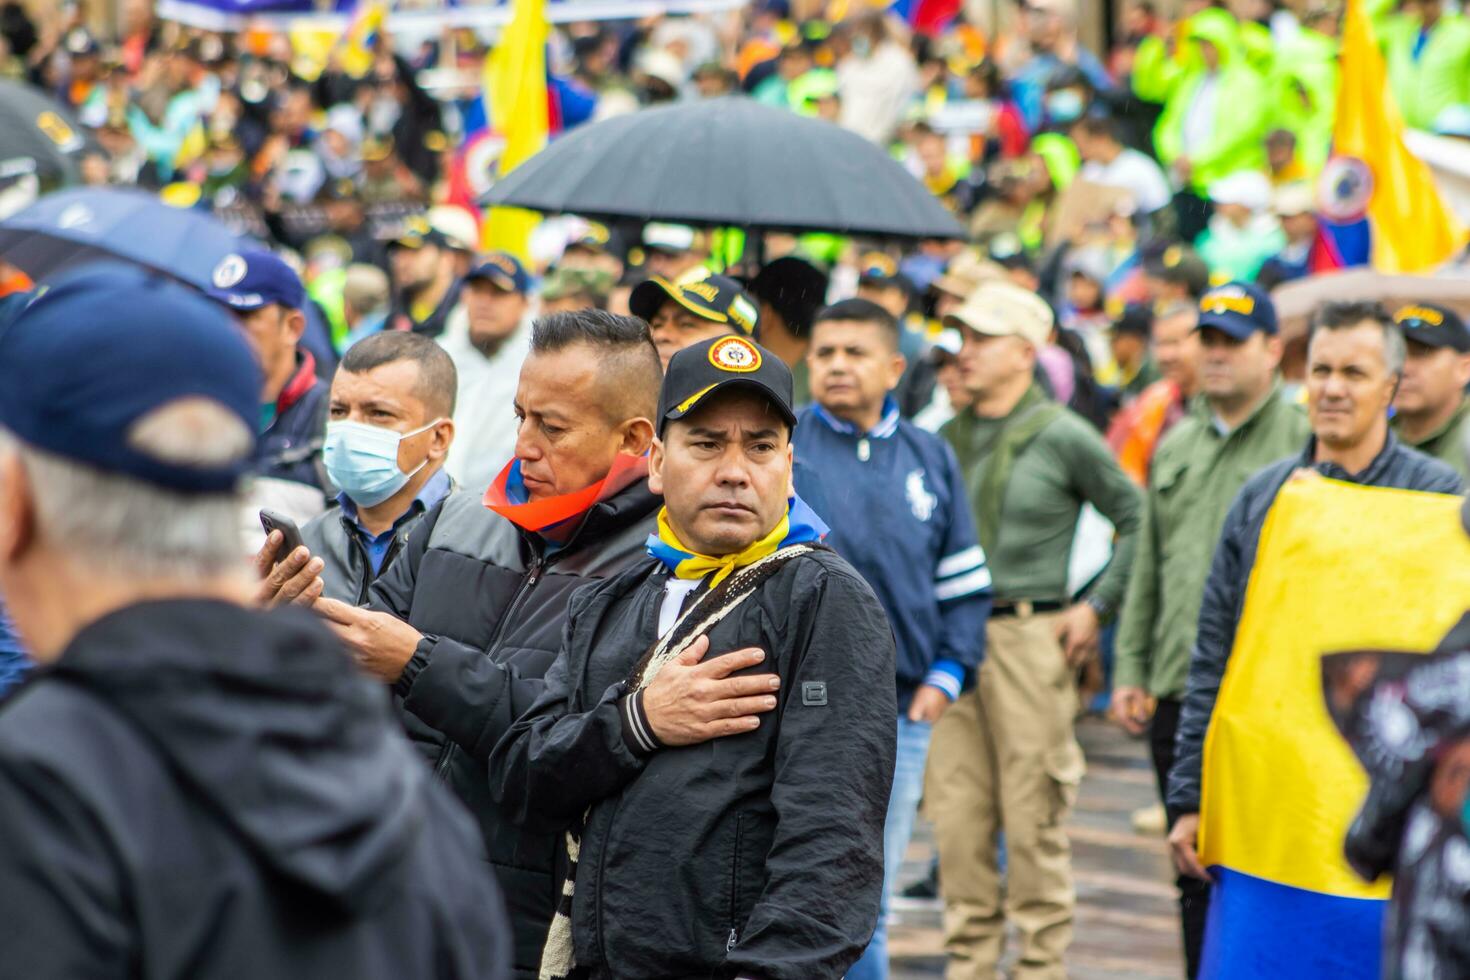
(488,354)
(422,265)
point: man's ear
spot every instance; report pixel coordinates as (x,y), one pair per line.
(637,436)
(1276,347)
(441,437)
(656,468)
(896,367)
(790,465)
(294,323)
(17,513)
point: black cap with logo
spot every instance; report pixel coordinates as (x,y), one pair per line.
(709,366)
(1433,326)
(716,298)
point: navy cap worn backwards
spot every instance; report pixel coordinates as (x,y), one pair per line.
(247,281)
(1433,326)
(106,346)
(1238,309)
(504,270)
(698,371)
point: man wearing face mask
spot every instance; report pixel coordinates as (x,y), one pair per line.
(479,594)
(388,432)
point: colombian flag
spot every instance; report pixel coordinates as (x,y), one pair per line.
(1339,567)
(515,85)
(1412,230)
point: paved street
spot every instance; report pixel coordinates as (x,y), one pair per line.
(1126,923)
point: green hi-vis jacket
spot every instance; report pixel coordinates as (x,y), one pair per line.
(1243,111)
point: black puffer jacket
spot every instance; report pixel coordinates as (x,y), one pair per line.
(492,604)
(1396,465)
(755,855)
(199,790)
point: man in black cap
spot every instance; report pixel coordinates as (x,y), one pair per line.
(190,784)
(699,306)
(422,266)
(1431,412)
(267,297)
(790,291)
(760,855)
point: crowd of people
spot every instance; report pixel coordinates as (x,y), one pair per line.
(630,527)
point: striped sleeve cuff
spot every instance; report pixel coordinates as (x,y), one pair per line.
(948,676)
(960,574)
(637,732)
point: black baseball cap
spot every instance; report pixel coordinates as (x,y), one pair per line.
(709,366)
(1433,326)
(1179,265)
(712,297)
(1238,309)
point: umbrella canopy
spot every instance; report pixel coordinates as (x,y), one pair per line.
(85,223)
(37,135)
(729,161)
(1297,300)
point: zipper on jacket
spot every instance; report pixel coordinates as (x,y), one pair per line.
(730,943)
(528,582)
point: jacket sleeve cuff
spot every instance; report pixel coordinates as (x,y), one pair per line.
(948,676)
(637,732)
(416,663)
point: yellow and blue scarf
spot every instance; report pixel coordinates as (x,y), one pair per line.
(800,525)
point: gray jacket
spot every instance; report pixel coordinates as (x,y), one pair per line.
(348,574)
(1396,465)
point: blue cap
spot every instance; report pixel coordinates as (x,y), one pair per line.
(504,270)
(1238,309)
(247,281)
(109,344)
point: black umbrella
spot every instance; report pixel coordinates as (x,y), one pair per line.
(727,161)
(38,135)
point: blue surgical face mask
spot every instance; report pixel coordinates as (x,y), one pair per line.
(362,460)
(1064,105)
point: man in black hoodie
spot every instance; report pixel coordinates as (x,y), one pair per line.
(191,788)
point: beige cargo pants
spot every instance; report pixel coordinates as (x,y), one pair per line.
(1004,759)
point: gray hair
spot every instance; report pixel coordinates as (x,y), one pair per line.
(1345,314)
(122,526)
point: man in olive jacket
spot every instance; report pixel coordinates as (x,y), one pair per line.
(1240,423)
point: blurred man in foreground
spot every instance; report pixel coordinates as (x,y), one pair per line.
(189,784)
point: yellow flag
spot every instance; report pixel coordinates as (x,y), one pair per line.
(515,93)
(1339,567)
(1412,229)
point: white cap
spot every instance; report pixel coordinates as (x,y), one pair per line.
(1003,309)
(1247,188)
(457,225)
(670,238)
(1294,198)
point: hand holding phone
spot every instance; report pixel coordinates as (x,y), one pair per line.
(273,520)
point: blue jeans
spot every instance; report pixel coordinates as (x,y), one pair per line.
(903,804)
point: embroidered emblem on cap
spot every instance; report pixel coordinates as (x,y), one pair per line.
(1432,317)
(229,272)
(1228,300)
(735,354)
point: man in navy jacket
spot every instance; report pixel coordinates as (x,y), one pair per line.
(897,493)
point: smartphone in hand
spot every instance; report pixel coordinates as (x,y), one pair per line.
(273,520)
